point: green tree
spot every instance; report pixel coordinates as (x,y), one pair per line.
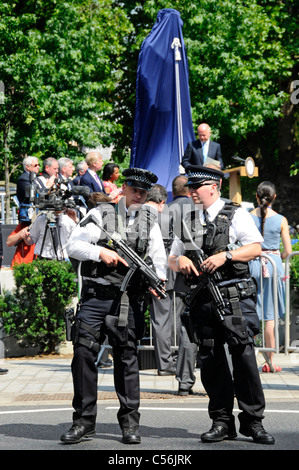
(236,59)
(59,63)
(69,71)
(243,57)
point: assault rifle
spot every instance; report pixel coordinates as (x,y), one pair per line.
(136,262)
(235,329)
(204,280)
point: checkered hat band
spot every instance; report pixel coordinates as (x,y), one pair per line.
(139,178)
(203,175)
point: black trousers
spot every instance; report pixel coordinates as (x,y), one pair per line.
(126,371)
(219,382)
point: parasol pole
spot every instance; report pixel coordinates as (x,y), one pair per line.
(176,44)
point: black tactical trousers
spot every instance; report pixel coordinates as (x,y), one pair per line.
(222,384)
(85,373)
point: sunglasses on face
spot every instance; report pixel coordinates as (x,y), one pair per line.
(198,185)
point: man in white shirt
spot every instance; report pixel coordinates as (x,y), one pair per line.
(103,271)
(50,233)
(229,240)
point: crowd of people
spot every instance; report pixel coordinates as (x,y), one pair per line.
(169,235)
(44,234)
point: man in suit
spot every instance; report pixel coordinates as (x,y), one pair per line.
(66,170)
(161,310)
(46,179)
(81,168)
(29,164)
(181,205)
(90,178)
(199,150)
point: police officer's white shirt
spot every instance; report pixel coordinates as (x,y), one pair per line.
(242,228)
(83,246)
(37,231)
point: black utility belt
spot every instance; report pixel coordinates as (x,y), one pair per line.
(246,288)
(92,289)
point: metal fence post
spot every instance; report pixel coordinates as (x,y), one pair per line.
(275,304)
(287,316)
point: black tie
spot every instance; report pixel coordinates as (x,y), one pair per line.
(205,217)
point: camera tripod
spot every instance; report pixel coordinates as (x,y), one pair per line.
(53,228)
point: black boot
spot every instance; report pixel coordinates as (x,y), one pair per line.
(76,433)
(257,432)
(219,432)
(131,435)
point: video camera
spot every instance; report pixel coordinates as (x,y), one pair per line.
(57,198)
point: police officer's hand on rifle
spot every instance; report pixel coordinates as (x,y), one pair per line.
(183,264)
(111,258)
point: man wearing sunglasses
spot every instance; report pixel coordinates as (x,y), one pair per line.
(29,164)
(225,234)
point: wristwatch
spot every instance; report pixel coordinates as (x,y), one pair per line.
(229,256)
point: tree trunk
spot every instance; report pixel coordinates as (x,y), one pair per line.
(7,190)
(6,176)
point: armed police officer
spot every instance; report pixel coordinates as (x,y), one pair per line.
(111,305)
(223,311)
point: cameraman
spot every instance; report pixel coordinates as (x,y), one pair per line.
(58,226)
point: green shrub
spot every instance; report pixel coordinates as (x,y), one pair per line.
(34,312)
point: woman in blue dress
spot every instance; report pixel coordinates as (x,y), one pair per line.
(273,227)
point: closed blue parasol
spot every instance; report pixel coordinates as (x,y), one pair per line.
(163,123)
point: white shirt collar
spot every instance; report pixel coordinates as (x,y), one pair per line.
(215,208)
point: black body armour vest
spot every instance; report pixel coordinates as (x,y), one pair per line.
(214,238)
(136,236)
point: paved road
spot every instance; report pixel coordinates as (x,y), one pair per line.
(35,409)
(173,426)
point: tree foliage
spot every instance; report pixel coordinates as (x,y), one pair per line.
(243,58)
(59,63)
(69,72)
(236,60)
